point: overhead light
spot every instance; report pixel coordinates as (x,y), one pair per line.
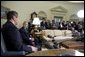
(80,14)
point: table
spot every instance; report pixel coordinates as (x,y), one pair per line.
(51,52)
(57,52)
(73,45)
(60,39)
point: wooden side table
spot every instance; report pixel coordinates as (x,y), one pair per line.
(73,45)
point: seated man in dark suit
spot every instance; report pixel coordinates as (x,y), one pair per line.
(12,35)
(48,24)
(43,24)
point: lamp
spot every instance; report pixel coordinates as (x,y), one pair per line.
(36,22)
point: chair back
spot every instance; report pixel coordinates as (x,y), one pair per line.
(3,47)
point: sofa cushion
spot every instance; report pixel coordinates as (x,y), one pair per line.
(62,38)
(57,33)
(68,33)
(48,32)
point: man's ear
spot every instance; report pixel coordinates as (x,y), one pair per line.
(14,17)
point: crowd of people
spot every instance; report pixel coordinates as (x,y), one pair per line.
(22,40)
(64,25)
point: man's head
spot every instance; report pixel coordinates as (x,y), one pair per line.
(12,16)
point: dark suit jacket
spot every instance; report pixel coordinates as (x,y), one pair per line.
(43,24)
(48,25)
(13,38)
(25,36)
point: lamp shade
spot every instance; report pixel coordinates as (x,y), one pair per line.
(36,21)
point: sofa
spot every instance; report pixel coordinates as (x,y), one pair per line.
(57,34)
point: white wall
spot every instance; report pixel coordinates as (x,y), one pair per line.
(25,8)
